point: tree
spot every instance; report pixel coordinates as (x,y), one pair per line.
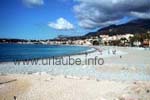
(123,40)
(95,42)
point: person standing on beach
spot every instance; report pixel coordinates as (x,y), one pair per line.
(101,51)
(15,98)
(108,51)
(120,56)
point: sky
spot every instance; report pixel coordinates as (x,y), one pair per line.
(46,19)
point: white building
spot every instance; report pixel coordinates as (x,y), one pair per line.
(106,38)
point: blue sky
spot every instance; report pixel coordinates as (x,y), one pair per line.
(19,21)
(45,19)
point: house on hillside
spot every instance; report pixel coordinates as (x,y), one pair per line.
(137,43)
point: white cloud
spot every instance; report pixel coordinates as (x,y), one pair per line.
(61,24)
(141,14)
(96,13)
(32,3)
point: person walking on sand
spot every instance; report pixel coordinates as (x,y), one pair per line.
(114,51)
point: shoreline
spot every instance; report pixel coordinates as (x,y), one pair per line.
(113,66)
(80,53)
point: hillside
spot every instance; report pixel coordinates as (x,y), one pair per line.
(134,27)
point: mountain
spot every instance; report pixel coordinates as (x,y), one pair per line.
(137,26)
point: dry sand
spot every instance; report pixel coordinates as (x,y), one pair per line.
(46,87)
(14,86)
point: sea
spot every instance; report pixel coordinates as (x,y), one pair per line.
(13,52)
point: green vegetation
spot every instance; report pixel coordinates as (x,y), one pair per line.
(140,38)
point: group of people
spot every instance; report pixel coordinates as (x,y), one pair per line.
(113,51)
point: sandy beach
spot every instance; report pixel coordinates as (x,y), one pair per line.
(123,76)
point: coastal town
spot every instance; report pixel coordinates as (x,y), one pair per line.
(138,40)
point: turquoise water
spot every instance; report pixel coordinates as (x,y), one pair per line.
(11,52)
